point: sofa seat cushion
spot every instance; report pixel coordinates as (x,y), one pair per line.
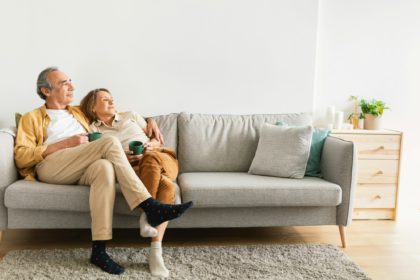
(36,195)
(240,189)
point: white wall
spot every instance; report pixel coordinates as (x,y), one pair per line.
(223,56)
(371,48)
(213,56)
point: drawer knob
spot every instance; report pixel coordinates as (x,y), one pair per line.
(380,172)
(381,148)
(378,197)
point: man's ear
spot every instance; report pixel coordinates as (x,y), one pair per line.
(45,91)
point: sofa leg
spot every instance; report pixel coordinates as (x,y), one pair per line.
(1,235)
(342,235)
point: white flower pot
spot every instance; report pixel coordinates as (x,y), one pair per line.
(372,122)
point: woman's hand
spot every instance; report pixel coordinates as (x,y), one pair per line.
(133,159)
(151,145)
(152,130)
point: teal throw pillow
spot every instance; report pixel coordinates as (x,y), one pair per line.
(313,167)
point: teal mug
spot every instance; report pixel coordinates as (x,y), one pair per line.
(136,147)
(94,136)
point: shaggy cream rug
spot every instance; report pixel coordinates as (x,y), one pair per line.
(300,261)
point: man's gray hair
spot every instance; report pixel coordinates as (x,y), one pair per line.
(43,81)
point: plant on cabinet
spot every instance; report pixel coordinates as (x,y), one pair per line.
(372,111)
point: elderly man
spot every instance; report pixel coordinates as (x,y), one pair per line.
(52,145)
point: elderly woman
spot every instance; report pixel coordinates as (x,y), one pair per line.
(157,166)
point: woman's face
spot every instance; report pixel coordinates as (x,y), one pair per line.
(104,105)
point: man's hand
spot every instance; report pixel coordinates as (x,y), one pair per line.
(133,159)
(76,140)
(70,142)
(153,131)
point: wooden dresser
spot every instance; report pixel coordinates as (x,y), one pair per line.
(378,164)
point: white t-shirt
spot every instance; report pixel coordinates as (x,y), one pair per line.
(63,125)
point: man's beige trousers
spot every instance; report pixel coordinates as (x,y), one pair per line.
(97,164)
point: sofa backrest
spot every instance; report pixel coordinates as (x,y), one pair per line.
(224,143)
(168,126)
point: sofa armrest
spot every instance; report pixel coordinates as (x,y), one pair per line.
(8,171)
(338,165)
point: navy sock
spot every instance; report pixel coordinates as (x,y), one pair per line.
(158,213)
(101,259)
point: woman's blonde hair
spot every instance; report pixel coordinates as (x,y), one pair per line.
(87,103)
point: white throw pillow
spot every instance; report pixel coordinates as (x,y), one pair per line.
(282,151)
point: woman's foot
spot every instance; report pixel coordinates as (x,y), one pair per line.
(156,264)
(146,230)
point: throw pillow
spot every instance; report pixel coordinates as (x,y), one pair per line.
(17,119)
(282,151)
(313,168)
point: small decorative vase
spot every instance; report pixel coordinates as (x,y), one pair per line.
(355,122)
(361,123)
(372,122)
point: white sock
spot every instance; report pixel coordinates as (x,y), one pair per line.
(146,230)
(156,264)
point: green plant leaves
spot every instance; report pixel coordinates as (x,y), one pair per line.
(374,107)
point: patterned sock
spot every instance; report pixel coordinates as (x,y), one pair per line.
(146,230)
(101,259)
(158,213)
(156,264)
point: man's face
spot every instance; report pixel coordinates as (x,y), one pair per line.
(62,89)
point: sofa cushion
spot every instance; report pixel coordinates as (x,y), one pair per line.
(240,189)
(36,195)
(282,151)
(168,126)
(18,116)
(224,143)
(313,168)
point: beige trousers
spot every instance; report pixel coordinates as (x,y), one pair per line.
(97,164)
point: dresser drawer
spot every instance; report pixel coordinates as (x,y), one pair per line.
(374,214)
(374,146)
(377,171)
(375,196)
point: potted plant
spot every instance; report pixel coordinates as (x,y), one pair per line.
(372,111)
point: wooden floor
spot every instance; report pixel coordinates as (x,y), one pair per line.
(384,249)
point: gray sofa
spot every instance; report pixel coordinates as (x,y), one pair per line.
(215,153)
